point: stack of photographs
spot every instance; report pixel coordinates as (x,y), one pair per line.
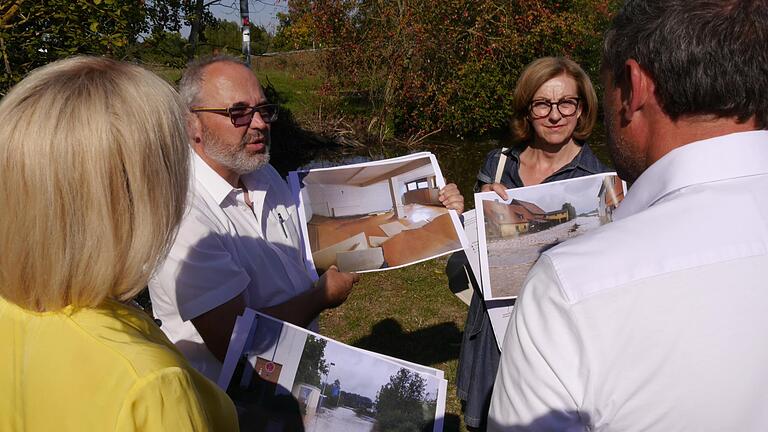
(285,378)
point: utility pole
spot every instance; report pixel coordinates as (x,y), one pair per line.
(246,21)
(322,392)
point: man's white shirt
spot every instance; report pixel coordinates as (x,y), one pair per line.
(656,321)
(225,248)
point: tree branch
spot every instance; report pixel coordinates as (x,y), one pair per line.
(5,56)
(10,13)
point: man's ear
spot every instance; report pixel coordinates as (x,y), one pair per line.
(637,90)
(194,129)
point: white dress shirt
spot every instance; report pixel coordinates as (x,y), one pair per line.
(656,322)
(224,249)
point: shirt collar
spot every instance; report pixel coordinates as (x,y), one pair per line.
(729,156)
(210,180)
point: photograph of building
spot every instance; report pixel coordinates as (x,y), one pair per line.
(520,217)
(375,215)
(514,233)
(609,196)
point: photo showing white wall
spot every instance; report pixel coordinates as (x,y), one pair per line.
(375,215)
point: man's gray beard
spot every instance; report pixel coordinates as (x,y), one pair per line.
(236,159)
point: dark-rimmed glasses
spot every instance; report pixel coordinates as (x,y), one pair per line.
(566,107)
(242,115)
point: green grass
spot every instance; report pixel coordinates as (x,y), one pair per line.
(297,93)
(407,313)
(168,73)
(297,80)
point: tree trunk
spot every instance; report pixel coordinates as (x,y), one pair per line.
(195,27)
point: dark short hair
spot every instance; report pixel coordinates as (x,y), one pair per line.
(706,57)
(534,76)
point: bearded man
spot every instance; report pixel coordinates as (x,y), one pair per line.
(239,244)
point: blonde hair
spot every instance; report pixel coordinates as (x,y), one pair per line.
(534,76)
(94,167)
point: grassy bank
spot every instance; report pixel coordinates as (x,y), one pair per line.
(297,78)
(407,313)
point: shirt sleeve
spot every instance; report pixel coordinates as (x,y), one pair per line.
(168,400)
(200,272)
(538,387)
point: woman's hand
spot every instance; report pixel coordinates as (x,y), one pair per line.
(499,188)
(451,198)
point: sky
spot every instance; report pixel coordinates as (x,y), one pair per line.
(362,373)
(581,193)
(262,12)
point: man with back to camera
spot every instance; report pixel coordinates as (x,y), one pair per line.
(656,321)
(239,244)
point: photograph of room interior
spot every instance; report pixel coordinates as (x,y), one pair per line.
(376,215)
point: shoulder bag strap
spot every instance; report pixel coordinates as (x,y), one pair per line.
(500,167)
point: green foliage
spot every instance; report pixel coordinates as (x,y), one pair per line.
(34,33)
(399,402)
(166,15)
(447,64)
(312,363)
(164,48)
(294,31)
(228,36)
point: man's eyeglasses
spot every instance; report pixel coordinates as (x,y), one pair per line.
(566,107)
(242,115)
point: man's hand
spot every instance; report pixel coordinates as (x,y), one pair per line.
(336,286)
(451,198)
(329,291)
(499,188)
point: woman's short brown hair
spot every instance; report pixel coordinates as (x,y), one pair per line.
(534,76)
(94,170)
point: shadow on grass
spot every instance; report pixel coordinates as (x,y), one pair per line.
(428,346)
(451,423)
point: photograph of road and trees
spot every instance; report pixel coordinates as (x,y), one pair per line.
(342,389)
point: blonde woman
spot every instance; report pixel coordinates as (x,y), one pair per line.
(93,182)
